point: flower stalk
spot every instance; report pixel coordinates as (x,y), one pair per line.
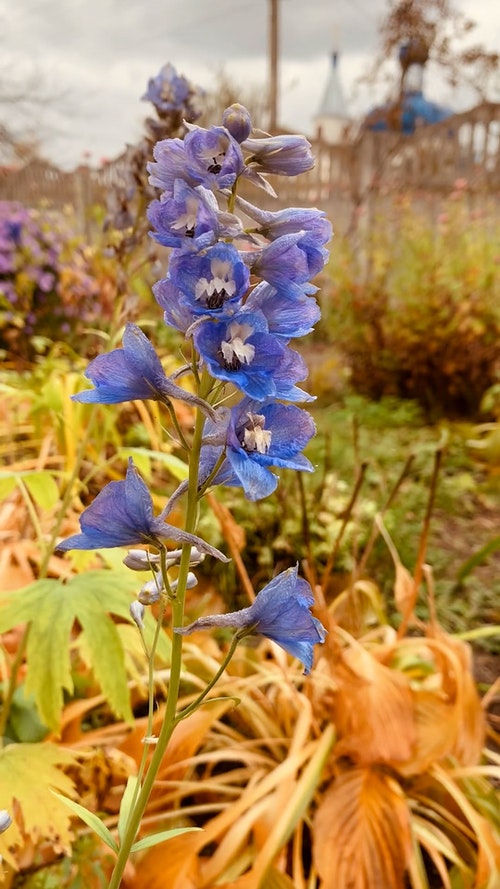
(240,298)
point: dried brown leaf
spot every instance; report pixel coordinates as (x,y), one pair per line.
(361,832)
(372,709)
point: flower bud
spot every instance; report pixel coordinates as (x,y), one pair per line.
(5,820)
(140,559)
(237,120)
(137,613)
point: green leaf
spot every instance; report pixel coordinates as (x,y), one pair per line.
(51,608)
(176,467)
(40,484)
(7,484)
(91,820)
(28,774)
(477,558)
(24,724)
(155,838)
(126,805)
(43,488)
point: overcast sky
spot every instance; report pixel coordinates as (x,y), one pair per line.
(96,57)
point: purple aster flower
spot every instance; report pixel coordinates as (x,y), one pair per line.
(284,155)
(281,612)
(255,436)
(288,314)
(243,352)
(191,218)
(122,515)
(237,120)
(134,373)
(290,258)
(211,281)
(214,158)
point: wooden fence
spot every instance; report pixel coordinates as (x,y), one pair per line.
(465,146)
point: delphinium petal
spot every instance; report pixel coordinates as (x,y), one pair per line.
(281,612)
(122,515)
(134,373)
(283,155)
(289,313)
(274,224)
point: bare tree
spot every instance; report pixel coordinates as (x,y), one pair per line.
(445,34)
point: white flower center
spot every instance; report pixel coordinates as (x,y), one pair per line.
(188,219)
(255,437)
(221,285)
(236,351)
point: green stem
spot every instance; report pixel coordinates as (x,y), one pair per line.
(170,718)
(201,697)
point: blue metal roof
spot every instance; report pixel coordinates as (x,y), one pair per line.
(411,111)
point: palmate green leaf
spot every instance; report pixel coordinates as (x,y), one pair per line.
(51,609)
(91,820)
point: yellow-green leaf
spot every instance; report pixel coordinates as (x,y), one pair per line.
(42,487)
(28,772)
(91,820)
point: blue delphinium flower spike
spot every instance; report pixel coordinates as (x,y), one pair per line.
(122,515)
(281,612)
(134,373)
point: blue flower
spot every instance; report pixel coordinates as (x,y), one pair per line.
(191,218)
(134,373)
(273,225)
(289,259)
(210,281)
(122,515)
(170,164)
(243,352)
(177,310)
(214,158)
(167,91)
(281,612)
(289,313)
(254,437)
(284,155)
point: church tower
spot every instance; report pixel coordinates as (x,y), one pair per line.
(332,119)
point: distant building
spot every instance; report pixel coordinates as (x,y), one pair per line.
(410,110)
(332,121)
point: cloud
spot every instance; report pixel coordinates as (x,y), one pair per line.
(97,55)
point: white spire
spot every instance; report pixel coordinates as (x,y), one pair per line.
(332,117)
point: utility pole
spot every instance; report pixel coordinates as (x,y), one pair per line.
(273,65)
